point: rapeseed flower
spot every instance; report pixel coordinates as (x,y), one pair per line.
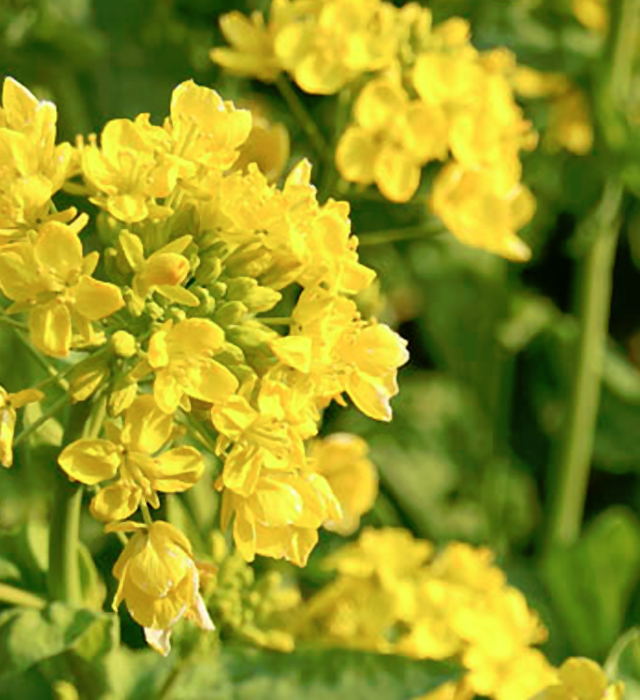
(159,581)
(131,455)
(52,280)
(581,679)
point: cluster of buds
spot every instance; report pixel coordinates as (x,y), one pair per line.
(424,94)
(168,335)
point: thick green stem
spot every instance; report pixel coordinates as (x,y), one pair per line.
(571,473)
(85,420)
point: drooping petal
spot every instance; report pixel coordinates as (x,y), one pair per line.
(115,502)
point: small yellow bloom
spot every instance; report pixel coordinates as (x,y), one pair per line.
(336,41)
(392,139)
(159,581)
(342,460)
(130,454)
(181,356)
(33,167)
(9,403)
(280,519)
(264,437)
(52,280)
(252,52)
(481,215)
(130,169)
(348,354)
(581,679)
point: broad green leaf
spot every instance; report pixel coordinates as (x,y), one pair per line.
(591,582)
(329,674)
(29,636)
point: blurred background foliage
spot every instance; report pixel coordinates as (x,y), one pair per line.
(482,403)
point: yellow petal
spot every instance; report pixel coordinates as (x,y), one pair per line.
(90,461)
(146,427)
(50,328)
(58,250)
(176,470)
(294,350)
(96,300)
(115,502)
(209,381)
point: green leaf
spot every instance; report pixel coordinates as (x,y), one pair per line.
(591,582)
(623,663)
(320,674)
(29,636)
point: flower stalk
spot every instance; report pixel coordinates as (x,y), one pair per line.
(85,420)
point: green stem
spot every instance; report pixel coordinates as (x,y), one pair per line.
(594,297)
(49,413)
(16,596)
(407,233)
(85,420)
(306,121)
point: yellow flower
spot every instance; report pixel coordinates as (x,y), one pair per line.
(337,41)
(129,455)
(342,460)
(481,215)
(252,52)
(392,139)
(9,403)
(130,169)
(159,581)
(52,280)
(181,356)
(345,353)
(163,271)
(206,130)
(581,679)
(33,167)
(570,124)
(280,519)
(263,437)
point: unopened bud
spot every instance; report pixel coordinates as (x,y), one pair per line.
(124,344)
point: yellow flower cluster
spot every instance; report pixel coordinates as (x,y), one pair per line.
(424,94)
(581,679)
(393,594)
(173,340)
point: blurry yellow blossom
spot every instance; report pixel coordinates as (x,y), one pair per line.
(570,124)
(129,454)
(32,166)
(267,146)
(342,460)
(480,214)
(581,679)
(593,14)
(252,42)
(158,581)
(9,403)
(337,41)
(393,137)
(51,279)
(181,356)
